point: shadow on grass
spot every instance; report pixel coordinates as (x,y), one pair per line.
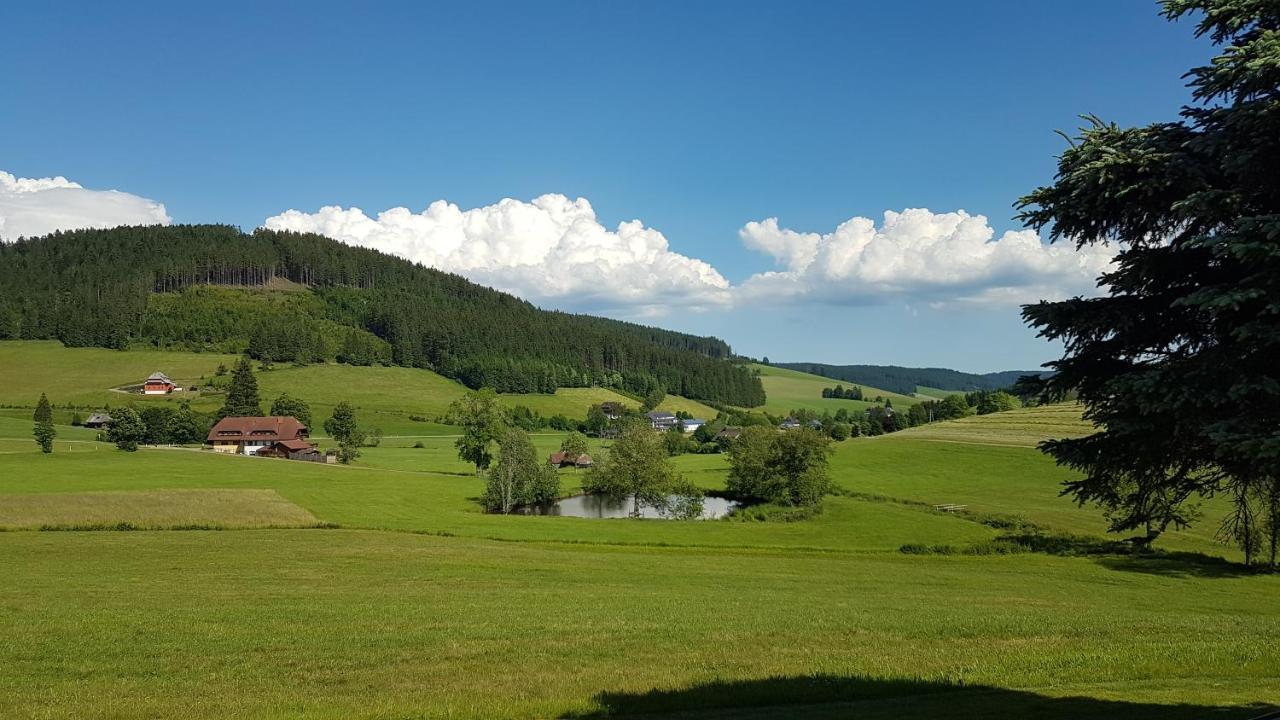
(1121,555)
(1180,565)
(829,696)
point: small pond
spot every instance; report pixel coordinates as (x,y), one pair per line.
(603,506)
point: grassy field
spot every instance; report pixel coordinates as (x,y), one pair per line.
(152,510)
(788,390)
(419,605)
(1024,427)
(385,397)
(935,392)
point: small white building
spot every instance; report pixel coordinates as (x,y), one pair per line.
(692,424)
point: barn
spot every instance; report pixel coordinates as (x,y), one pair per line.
(158,384)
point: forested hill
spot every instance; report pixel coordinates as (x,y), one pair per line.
(292,297)
(905,380)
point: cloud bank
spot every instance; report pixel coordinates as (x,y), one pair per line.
(554,250)
(30,207)
(917,255)
(549,249)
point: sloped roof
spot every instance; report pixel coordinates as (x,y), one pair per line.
(584,459)
(157,375)
(295,445)
(257,428)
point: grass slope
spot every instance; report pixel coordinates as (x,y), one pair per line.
(1024,427)
(788,390)
(384,396)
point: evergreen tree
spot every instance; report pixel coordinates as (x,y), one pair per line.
(44,433)
(242,393)
(126,429)
(1176,363)
(44,411)
(343,428)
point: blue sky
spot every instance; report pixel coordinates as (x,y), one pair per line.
(693,118)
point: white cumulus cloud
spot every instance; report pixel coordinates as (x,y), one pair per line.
(918,255)
(550,249)
(30,207)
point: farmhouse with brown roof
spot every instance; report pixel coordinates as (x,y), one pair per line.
(561,459)
(249,435)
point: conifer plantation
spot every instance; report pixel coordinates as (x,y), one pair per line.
(289,297)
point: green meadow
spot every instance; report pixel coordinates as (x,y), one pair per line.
(386,396)
(247,587)
(789,390)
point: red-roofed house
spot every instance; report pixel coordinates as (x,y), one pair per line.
(158,384)
(249,435)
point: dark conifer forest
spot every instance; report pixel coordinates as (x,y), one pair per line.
(289,297)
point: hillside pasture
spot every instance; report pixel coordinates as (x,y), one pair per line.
(385,397)
(788,390)
(1023,427)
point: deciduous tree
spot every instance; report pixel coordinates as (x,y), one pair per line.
(343,427)
(287,405)
(483,422)
(126,429)
(519,477)
(789,468)
(637,465)
(574,444)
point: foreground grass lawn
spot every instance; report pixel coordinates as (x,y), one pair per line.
(421,606)
(338,624)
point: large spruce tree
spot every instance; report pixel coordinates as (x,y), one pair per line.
(1178,363)
(242,393)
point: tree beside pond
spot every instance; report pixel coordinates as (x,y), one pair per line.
(637,465)
(788,468)
(483,421)
(519,477)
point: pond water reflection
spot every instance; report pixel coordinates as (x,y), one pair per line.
(603,506)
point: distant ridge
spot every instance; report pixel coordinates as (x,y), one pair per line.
(905,379)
